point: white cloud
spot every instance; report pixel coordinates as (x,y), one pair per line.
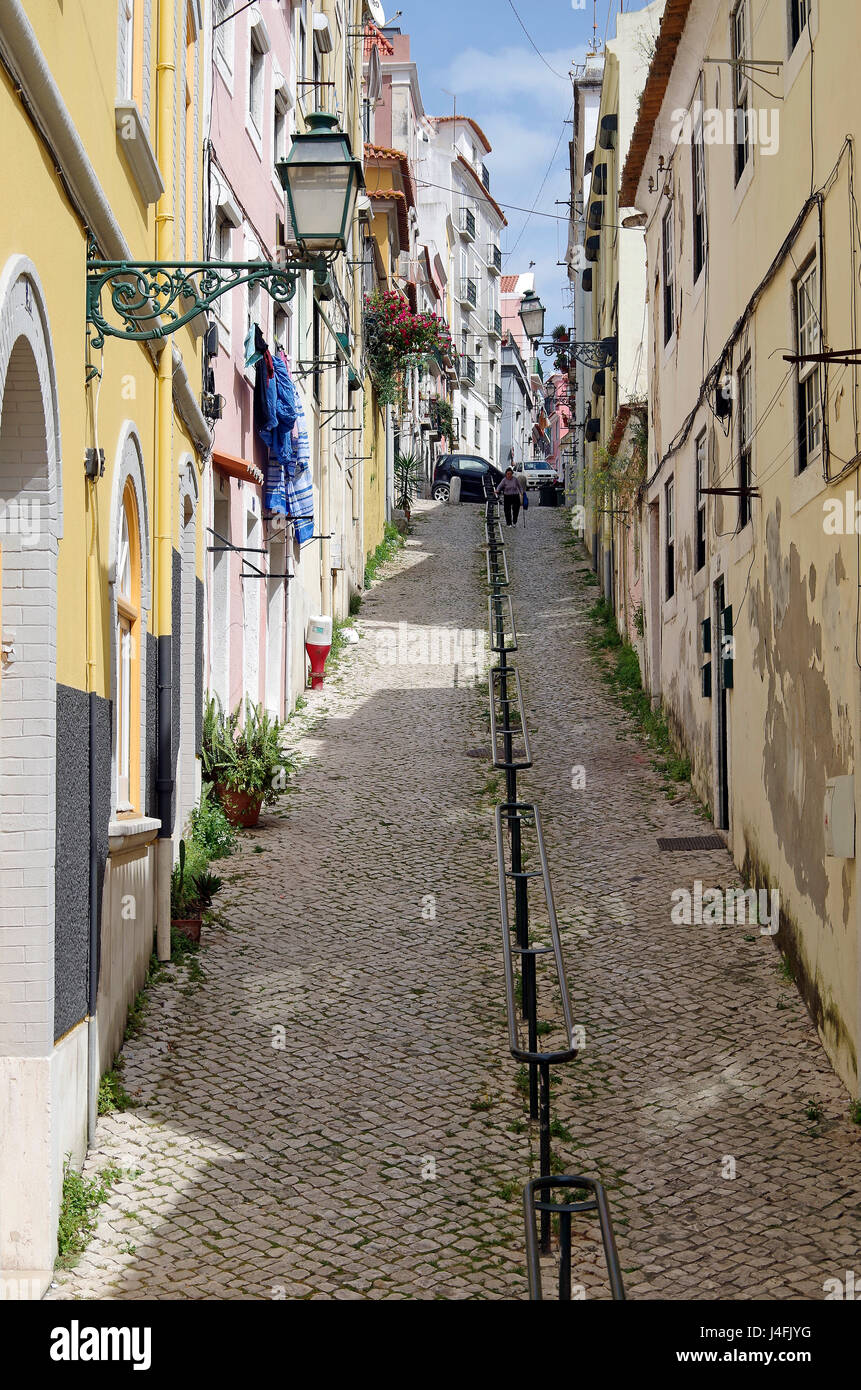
(512,72)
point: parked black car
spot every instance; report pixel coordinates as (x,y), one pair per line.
(472,471)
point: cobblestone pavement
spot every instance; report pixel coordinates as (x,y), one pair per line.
(380,1153)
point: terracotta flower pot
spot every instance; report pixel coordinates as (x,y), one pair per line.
(240,808)
(189,926)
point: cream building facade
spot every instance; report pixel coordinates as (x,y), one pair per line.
(747,181)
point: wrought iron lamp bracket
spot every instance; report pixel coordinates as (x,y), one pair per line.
(602,353)
(153,299)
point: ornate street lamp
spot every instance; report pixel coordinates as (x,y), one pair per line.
(532,313)
(152,299)
(322,181)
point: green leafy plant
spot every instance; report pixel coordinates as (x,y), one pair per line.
(184,897)
(407,481)
(79,1207)
(244,754)
(396,338)
(209,826)
(386,550)
(113,1095)
(444,413)
(207,886)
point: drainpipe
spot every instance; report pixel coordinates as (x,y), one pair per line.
(326,408)
(93,924)
(165,75)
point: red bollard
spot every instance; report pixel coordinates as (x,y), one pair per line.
(318,644)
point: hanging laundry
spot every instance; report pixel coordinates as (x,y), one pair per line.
(253,352)
(300,484)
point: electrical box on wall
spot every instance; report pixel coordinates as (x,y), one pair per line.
(839,817)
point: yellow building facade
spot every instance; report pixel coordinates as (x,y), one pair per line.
(101,452)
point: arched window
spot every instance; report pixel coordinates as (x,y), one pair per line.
(128,595)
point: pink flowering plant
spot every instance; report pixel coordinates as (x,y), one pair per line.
(396,338)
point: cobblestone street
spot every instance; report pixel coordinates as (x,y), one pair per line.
(381,1151)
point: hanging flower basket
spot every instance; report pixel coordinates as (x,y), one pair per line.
(397,339)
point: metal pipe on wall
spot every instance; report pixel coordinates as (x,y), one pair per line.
(165,78)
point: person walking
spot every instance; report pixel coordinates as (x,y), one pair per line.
(510,489)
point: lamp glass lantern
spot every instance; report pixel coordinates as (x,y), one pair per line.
(322,181)
(532,313)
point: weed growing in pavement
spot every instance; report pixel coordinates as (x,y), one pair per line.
(79,1207)
(113,1095)
(507,1190)
(855,1112)
(386,550)
(484,1102)
(620,667)
(785,969)
(339,643)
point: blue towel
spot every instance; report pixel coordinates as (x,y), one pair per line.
(300,485)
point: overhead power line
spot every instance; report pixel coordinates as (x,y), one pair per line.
(562,75)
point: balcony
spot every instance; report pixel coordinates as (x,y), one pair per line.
(494,325)
(468,292)
(467,370)
(467,224)
(494,397)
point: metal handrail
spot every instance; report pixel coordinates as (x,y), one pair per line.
(496,630)
(496,558)
(530,1054)
(566,1210)
(501,676)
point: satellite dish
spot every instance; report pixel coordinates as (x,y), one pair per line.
(376,11)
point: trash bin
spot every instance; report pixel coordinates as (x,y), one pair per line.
(548,496)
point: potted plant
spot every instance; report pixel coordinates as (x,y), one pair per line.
(185,905)
(242,756)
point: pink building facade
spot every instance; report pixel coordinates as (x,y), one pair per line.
(260,589)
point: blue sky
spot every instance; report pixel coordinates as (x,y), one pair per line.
(476,49)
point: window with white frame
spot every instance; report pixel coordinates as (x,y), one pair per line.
(799,14)
(669,276)
(670,539)
(127,50)
(698,168)
(223,252)
(256,80)
(745,439)
(808,342)
(301,49)
(279,126)
(477,432)
(702,474)
(255,309)
(128,640)
(281,324)
(222,19)
(741,85)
